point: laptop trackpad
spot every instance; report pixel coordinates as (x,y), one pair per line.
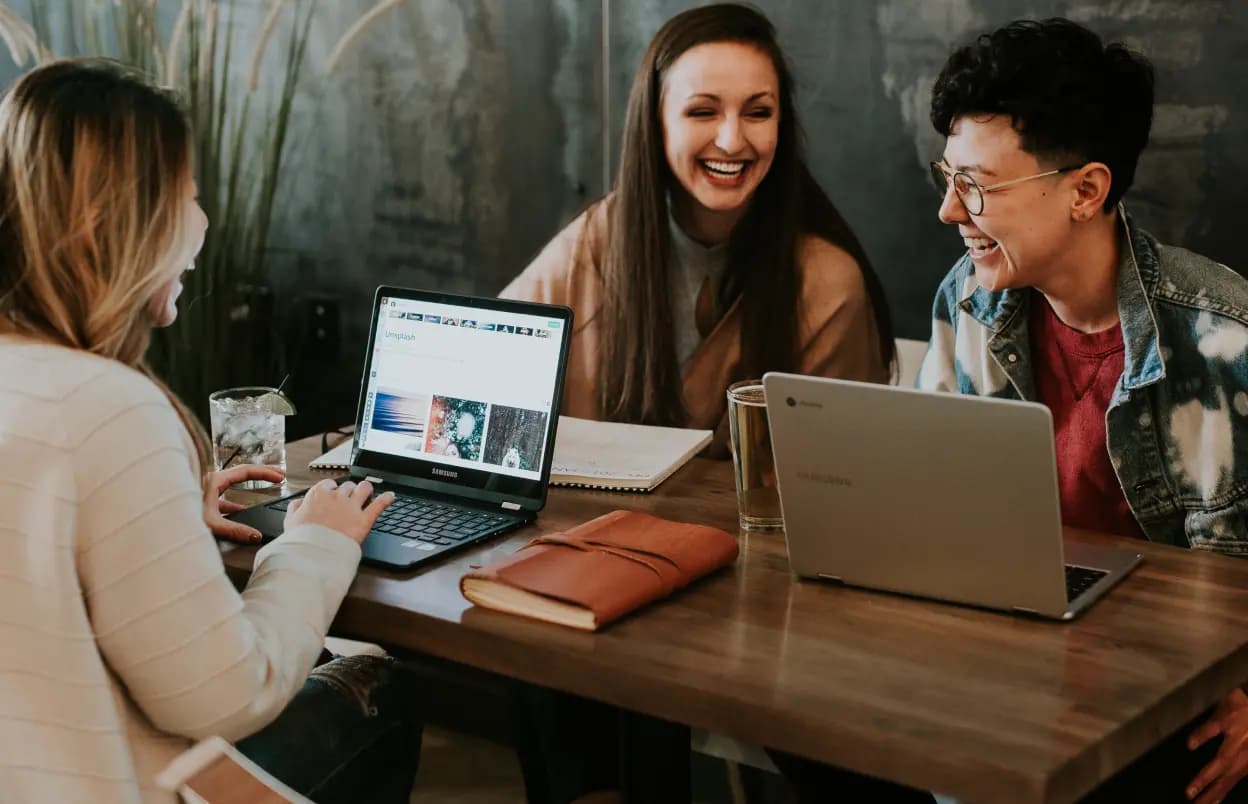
(395,550)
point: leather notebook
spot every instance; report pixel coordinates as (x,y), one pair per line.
(600,571)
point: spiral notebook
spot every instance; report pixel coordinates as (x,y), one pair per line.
(598,455)
(621,457)
(337,458)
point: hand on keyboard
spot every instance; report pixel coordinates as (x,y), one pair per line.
(350,508)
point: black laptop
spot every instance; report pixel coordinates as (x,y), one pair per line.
(458,407)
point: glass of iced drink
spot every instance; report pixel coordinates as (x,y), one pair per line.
(249,426)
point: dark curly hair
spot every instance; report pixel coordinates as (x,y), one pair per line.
(1069,96)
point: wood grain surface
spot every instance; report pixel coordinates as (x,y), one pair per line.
(976,704)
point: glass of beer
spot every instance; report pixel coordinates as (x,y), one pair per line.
(758,497)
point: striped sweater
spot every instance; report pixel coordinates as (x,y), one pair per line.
(121,637)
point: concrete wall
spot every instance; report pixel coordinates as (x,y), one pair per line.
(449,146)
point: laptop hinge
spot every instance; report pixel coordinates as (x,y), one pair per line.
(511,506)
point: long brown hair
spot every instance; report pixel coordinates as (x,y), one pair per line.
(94,164)
(640,377)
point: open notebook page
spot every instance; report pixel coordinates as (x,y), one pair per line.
(611,455)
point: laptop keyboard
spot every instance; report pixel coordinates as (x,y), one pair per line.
(1080,579)
(432,521)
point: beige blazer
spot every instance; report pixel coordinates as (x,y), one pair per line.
(836,334)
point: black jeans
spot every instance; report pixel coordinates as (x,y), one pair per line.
(351,734)
(811,781)
(570,746)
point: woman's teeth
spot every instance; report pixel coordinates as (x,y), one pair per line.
(979,244)
(724,168)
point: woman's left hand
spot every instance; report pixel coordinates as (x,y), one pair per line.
(216,507)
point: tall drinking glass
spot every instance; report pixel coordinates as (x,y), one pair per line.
(758,497)
(249,426)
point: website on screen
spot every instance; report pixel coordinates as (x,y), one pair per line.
(461,386)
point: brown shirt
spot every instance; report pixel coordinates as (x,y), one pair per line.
(836,333)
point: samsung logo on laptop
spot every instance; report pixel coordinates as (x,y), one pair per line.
(827,480)
(444,473)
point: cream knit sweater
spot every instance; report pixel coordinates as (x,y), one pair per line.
(120,635)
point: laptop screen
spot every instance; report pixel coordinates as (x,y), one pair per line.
(463,391)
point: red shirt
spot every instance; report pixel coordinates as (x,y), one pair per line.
(1075,375)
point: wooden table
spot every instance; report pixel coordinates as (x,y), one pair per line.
(975,704)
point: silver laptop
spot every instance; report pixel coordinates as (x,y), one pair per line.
(930,494)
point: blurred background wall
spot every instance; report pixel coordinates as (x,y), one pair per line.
(457,136)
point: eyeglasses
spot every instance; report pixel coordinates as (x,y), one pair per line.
(970,192)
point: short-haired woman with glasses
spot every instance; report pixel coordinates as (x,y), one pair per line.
(1138,349)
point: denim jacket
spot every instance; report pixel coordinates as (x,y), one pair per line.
(1177,424)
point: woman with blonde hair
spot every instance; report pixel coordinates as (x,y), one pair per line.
(121,638)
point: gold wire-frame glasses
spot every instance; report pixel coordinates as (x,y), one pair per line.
(970,192)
